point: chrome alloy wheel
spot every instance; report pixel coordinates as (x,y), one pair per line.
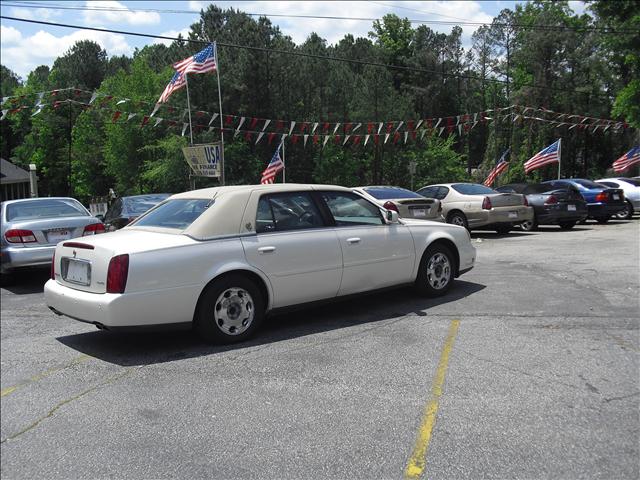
(438,271)
(527,225)
(457,220)
(233,311)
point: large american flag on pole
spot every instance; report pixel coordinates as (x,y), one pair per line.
(501,166)
(275,165)
(543,157)
(177,81)
(626,161)
(202,62)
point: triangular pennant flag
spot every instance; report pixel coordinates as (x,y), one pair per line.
(116,116)
(156,107)
(270,137)
(184,128)
(396,137)
(158,120)
(260,135)
(346,139)
(254,122)
(366,139)
(242,119)
(305,140)
(459,129)
(325,127)
(437,123)
(355,129)
(130,116)
(213,117)
(370,127)
(266,123)
(39,101)
(294,139)
(356,139)
(422,134)
(316,139)
(441,130)
(380,128)
(337,139)
(326,139)
(418,124)
(347,127)
(4,113)
(406,135)
(94,95)
(37,111)
(386,137)
(228,119)
(336,128)
(376,139)
(399,125)
(389,127)
(293,124)
(121,101)
(313,129)
(145,120)
(247,136)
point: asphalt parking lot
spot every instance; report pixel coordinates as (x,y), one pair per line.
(527,369)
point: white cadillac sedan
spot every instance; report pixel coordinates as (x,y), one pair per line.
(220,259)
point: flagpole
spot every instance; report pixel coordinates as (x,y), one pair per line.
(221,122)
(284,166)
(186,79)
(559,156)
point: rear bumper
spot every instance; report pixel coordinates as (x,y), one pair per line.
(555,215)
(114,310)
(604,209)
(17,257)
(499,215)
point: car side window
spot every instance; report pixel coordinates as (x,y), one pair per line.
(287,211)
(429,192)
(349,209)
(442,192)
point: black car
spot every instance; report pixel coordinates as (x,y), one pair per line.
(563,206)
(126,209)
(602,202)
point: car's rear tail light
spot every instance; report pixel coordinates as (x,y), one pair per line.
(389,205)
(551,200)
(93,229)
(525,202)
(602,197)
(486,203)
(53,266)
(20,236)
(117,274)
(85,246)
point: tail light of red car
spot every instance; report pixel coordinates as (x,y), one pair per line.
(389,205)
(20,236)
(486,203)
(602,197)
(93,229)
(117,274)
(551,200)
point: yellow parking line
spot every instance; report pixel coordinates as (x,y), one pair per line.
(40,376)
(418,459)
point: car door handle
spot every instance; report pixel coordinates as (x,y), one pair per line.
(262,250)
(353,240)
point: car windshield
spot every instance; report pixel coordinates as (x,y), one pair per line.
(587,183)
(472,189)
(178,213)
(387,193)
(45,208)
(139,205)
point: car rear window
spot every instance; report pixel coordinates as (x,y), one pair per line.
(387,193)
(139,205)
(178,213)
(472,189)
(45,208)
(587,183)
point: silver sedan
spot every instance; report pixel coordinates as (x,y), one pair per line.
(32,227)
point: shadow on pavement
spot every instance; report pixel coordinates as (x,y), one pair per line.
(134,349)
(27,281)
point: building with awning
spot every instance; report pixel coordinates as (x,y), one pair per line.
(14,181)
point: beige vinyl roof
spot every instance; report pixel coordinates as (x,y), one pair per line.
(234,210)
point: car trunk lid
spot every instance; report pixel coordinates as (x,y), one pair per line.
(506,200)
(52,231)
(425,208)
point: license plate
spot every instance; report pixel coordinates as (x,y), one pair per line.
(78,272)
(571,208)
(58,236)
(513,214)
(419,212)
(616,196)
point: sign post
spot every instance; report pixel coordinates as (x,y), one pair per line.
(205,160)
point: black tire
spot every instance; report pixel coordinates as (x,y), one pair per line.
(458,218)
(529,226)
(219,323)
(503,230)
(437,271)
(627,213)
(567,225)
(602,219)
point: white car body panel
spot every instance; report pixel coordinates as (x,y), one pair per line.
(168,271)
(631,192)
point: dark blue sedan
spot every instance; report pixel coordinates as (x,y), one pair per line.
(602,202)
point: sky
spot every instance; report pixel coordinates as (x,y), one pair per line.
(25,46)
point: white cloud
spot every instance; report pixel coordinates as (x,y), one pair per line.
(172,33)
(578,7)
(116,12)
(24,53)
(35,14)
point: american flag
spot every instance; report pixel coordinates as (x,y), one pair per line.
(544,157)
(202,62)
(627,160)
(275,165)
(501,166)
(177,81)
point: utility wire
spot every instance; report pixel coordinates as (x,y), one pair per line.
(299,54)
(462,22)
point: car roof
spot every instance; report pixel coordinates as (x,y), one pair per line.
(207,193)
(35,199)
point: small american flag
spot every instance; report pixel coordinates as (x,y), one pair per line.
(177,82)
(627,160)
(543,157)
(275,165)
(501,166)
(202,62)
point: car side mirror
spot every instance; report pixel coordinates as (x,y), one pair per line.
(391,216)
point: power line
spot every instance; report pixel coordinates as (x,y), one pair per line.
(300,54)
(463,22)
